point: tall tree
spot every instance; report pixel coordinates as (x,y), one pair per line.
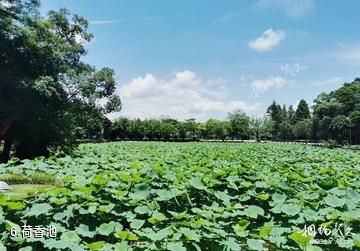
(136,129)
(302,129)
(339,126)
(261,128)
(354,124)
(239,125)
(291,114)
(336,113)
(192,130)
(217,129)
(121,128)
(302,111)
(284,113)
(169,128)
(44,85)
(275,113)
(255,125)
(266,128)
(152,128)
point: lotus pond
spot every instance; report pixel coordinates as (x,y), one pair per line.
(188,196)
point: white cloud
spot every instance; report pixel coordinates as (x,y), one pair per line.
(183,96)
(261,86)
(292,8)
(268,40)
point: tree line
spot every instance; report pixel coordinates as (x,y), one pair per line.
(238,126)
(334,117)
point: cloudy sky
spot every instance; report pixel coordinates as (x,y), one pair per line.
(201,59)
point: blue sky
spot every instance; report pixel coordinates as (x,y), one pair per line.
(203,59)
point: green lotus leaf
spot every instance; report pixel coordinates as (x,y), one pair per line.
(96,245)
(38,209)
(254,211)
(136,224)
(190,234)
(334,201)
(70,236)
(254,244)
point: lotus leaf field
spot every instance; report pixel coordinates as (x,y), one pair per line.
(188,196)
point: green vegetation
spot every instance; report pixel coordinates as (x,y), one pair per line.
(157,195)
(188,196)
(335,117)
(337,114)
(238,126)
(29,189)
(48,96)
(34,178)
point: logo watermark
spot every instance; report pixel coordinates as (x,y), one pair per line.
(324,235)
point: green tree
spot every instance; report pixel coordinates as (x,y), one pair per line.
(302,129)
(239,125)
(284,114)
(152,128)
(192,129)
(217,129)
(285,131)
(203,130)
(168,129)
(136,129)
(44,82)
(336,111)
(266,128)
(255,127)
(325,132)
(315,131)
(121,128)
(261,128)
(276,115)
(339,126)
(354,124)
(291,114)
(302,111)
